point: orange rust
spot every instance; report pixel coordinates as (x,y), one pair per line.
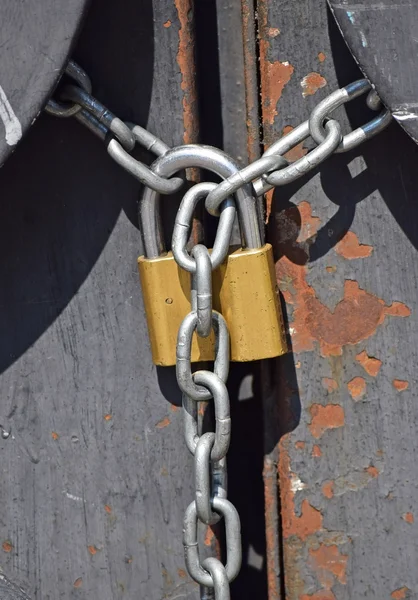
(326,417)
(107,417)
(321,57)
(370,364)
(54,435)
(300,445)
(273,32)
(298,151)
(357,387)
(349,247)
(92,550)
(250,81)
(331,269)
(277,75)
(271,515)
(181,573)
(78,582)
(167,24)
(7,546)
(373,471)
(329,384)
(355,318)
(185,60)
(298,365)
(311,83)
(322,595)
(108,509)
(316,451)
(209,536)
(329,565)
(400,385)
(328,489)
(400,593)
(310,521)
(408,517)
(174,408)
(163,423)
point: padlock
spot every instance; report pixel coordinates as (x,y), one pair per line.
(244,287)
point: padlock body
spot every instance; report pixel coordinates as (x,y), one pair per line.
(245,293)
(166,294)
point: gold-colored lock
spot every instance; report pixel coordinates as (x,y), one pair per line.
(245,293)
(166,293)
(244,285)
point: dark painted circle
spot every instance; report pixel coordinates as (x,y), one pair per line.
(35,40)
(383,38)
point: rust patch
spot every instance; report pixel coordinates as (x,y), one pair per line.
(92,550)
(174,408)
(298,151)
(329,565)
(408,517)
(321,57)
(370,364)
(311,83)
(273,32)
(107,417)
(400,385)
(316,451)
(331,269)
(167,24)
(271,524)
(357,387)
(373,471)
(108,509)
(277,76)
(185,61)
(400,593)
(350,248)
(209,536)
(322,595)
(78,582)
(54,435)
(300,445)
(328,489)
(329,384)
(326,417)
(181,573)
(355,318)
(7,546)
(163,423)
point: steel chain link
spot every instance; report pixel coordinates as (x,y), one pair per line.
(209,450)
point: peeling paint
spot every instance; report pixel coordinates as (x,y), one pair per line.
(329,384)
(278,75)
(185,61)
(370,364)
(7,546)
(355,480)
(400,385)
(316,451)
(350,248)
(78,582)
(329,565)
(328,489)
(326,417)
(400,593)
(163,423)
(311,83)
(357,388)
(167,24)
(408,517)
(321,57)
(273,32)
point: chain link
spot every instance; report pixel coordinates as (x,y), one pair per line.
(209,450)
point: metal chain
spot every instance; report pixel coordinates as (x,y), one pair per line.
(210,504)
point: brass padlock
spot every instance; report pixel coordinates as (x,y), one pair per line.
(244,287)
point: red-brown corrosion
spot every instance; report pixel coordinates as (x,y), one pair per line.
(329,565)
(185,60)
(271,518)
(408,517)
(370,364)
(321,57)
(328,489)
(329,384)
(311,83)
(400,593)
(296,152)
(250,80)
(350,248)
(326,417)
(7,546)
(163,423)
(400,385)
(316,451)
(322,595)
(357,387)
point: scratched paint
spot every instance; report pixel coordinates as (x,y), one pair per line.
(12,126)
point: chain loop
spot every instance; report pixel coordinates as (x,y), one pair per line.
(219,576)
(77,74)
(203,472)
(233,541)
(338,98)
(183,224)
(202,290)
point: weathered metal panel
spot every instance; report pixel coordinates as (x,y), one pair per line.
(345,239)
(95,477)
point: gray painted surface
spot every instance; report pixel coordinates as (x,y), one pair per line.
(348,467)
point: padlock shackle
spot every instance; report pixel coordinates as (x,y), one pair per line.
(211,159)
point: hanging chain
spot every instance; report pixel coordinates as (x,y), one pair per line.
(209,449)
